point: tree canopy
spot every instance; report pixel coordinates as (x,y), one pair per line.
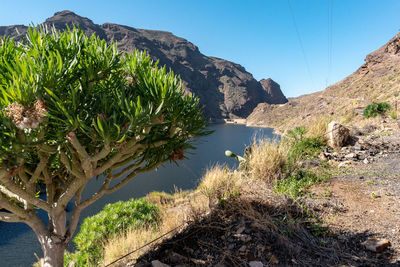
(72,108)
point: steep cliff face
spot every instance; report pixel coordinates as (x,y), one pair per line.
(377,80)
(273,89)
(226,89)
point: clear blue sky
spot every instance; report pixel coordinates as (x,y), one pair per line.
(259,35)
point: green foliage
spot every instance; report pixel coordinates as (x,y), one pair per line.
(301,147)
(393,114)
(376,109)
(113,219)
(89,87)
(295,184)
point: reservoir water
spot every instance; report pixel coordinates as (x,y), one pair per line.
(18,242)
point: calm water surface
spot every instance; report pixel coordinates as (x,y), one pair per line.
(18,243)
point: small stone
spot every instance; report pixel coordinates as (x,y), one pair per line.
(157,263)
(376,245)
(240,230)
(242,248)
(357,147)
(350,156)
(256,264)
(274,259)
(344,164)
(365,161)
(323,157)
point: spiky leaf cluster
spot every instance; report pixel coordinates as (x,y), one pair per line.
(86,86)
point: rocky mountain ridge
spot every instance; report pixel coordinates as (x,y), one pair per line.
(377,80)
(225,88)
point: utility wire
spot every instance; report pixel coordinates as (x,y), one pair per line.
(145,245)
(301,44)
(330,40)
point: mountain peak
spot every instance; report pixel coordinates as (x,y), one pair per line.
(66,17)
(65,12)
(274,91)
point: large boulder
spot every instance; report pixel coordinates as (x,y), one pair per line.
(338,135)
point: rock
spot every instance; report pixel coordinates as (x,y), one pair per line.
(357,147)
(338,135)
(350,156)
(322,156)
(344,164)
(376,245)
(274,259)
(240,230)
(256,264)
(157,263)
(174,257)
(242,248)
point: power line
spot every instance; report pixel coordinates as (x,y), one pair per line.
(301,44)
(330,39)
(149,243)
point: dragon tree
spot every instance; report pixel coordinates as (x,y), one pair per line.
(73,108)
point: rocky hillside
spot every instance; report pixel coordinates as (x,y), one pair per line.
(376,80)
(226,89)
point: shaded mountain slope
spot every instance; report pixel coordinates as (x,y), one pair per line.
(226,89)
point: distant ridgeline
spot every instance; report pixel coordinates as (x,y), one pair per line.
(225,88)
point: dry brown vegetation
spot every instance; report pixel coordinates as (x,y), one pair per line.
(218,184)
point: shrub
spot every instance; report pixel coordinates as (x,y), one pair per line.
(306,147)
(393,114)
(114,219)
(376,109)
(295,184)
(300,147)
(266,160)
(220,184)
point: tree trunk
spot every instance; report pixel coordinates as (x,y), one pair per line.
(53,240)
(53,252)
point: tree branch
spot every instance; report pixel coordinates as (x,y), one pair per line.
(13,188)
(84,157)
(6,204)
(39,168)
(128,168)
(132,175)
(126,149)
(9,217)
(101,155)
(74,171)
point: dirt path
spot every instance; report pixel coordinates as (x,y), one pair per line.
(369,201)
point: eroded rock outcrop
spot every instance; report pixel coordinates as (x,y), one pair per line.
(225,88)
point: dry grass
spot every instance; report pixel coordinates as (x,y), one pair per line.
(220,183)
(137,237)
(318,126)
(265,163)
(187,206)
(266,160)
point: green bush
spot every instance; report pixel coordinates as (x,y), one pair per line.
(295,184)
(376,109)
(114,218)
(301,147)
(393,114)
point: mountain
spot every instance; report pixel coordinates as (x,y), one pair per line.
(225,88)
(273,89)
(377,80)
